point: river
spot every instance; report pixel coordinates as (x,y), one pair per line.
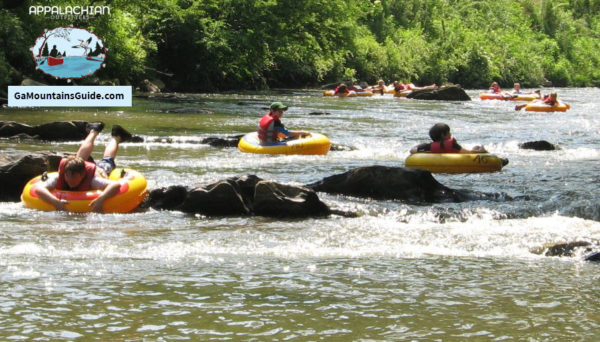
(451,271)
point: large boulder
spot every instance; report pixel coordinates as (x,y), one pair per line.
(443,93)
(53,131)
(62,130)
(382,182)
(239,196)
(222,198)
(11,128)
(280,200)
(167,198)
(149,87)
(17,169)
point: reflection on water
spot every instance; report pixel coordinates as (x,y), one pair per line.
(451,271)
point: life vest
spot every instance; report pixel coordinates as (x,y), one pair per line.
(448,147)
(86,183)
(549,100)
(337,90)
(266,128)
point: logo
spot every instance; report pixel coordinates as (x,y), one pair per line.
(69,52)
(69,12)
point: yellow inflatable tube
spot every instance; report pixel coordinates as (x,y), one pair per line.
(352,93)
(542,107)
(402,93)
(314,143)
(131,193)
(455,162)
(526,97)
(509,97)
(386,90)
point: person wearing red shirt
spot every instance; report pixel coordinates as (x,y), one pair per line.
(443,142)
(75,173)
(270,128)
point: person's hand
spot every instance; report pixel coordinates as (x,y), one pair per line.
(479,149)
(61,204)
(97,205)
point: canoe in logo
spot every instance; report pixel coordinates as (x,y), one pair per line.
(69,52)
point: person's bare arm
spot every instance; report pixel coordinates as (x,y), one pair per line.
(108,192)
(45,194)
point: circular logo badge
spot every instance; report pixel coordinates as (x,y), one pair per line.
(69,52)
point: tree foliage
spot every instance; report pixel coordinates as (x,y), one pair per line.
(213,45)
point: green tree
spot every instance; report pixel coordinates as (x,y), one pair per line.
(45,51)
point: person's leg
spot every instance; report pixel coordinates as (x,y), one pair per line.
(119,135)
(87,146)
(107,163)
(112,147)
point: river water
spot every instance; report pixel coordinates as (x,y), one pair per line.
(451,272)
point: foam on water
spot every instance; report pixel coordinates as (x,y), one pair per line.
(389,233)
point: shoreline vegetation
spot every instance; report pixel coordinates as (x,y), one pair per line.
(224,45)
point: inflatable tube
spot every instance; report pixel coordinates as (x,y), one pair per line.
(402,93)
(364,93)
(389,89)
(455,162)
(526,97)
(542,107)
(131,193)
(508,97)
(315,143)
(386,90)
(352,93)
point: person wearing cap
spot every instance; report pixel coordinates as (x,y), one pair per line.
(270,128)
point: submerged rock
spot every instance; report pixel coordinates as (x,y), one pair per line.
(595,256)
(338,147)
(540,145)
(226,141)
(187,110)
(223,141)
(566,249)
